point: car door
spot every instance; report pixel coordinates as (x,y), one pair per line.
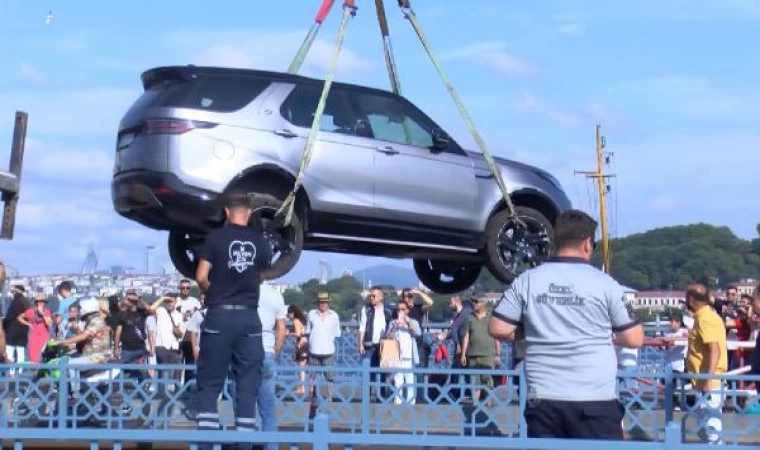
(415,183)
(339,178)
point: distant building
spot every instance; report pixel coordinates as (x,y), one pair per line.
(658,300)
(117,270)
(325,272)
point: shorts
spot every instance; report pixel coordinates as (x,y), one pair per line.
(481,362)
(322,361)
(601,419)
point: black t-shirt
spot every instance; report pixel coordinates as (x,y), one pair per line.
(133,329)
(237,255)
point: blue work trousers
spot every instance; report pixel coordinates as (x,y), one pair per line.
(230,339)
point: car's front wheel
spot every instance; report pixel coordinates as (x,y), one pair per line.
(446,277)
(512,248)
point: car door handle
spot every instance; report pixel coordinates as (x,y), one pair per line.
(285,133)
(388,150)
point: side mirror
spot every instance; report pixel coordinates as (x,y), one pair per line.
(440,139)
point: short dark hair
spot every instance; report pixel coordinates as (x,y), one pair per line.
(572,228)
(237,198)
(64,286)
(731,286)
(185,281)
(747,296)
(699,292)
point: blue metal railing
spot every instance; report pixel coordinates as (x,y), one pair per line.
(108,403)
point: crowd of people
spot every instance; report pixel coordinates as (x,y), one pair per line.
(571,329)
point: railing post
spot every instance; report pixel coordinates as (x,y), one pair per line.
(365,393)
(321,432)
(523,397)
(672,436)
(669,394)
(63,393)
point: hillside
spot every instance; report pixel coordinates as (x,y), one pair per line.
(671,257)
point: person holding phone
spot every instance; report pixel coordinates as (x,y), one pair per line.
(404,330)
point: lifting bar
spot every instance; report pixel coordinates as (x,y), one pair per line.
(406,8)
(349,10)
(390,61)
(322,14)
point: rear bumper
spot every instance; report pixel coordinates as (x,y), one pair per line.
(160,201)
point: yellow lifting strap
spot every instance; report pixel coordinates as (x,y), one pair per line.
(406,8)
(349,10)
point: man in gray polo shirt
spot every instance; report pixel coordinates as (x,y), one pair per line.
(569,311)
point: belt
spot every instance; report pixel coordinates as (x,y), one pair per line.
(231,307)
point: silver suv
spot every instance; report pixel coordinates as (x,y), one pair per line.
(384,178)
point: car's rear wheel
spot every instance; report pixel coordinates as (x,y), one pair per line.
(286,241)
(183,252)
(511,249)
(446,277)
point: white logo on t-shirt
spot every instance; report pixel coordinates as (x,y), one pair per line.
(241,255)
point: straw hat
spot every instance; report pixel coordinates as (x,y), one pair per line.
(323,297)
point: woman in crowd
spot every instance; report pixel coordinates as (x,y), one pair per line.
(301,353)
(38,319)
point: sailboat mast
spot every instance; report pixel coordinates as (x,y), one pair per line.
(600,177)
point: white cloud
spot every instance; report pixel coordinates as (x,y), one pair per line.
(265,50)
(52,160)
(529,103)
(689,179)
(31,73)
(695,97)
(571,29)
(494,56)
(71,113)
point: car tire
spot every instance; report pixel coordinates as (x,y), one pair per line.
(462,276)
(183,252)
(287,242)
(508,255)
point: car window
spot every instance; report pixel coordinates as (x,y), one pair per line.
(218,93)
(391,121)
(301,104)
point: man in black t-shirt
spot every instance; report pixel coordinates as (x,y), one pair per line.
(229,272)
(129,337)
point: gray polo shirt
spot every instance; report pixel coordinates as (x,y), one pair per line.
(569,311)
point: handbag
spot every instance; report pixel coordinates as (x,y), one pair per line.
(390,353)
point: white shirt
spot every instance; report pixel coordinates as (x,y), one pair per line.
(150,329)
(190,304)
(688,321)
(165,328)
(323,330)
(195,323)
(627,357)
(676,354)
(271,309)
(378,325)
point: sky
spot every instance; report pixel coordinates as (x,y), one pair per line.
(674,84)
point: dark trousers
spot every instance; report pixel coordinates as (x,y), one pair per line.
(379,380)
(575,420)
(186,349)
(230,339)
(134,357)
(168,356)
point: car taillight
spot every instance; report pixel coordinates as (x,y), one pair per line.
(173,126)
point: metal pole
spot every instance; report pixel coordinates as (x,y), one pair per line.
(16,162)
(602,199)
